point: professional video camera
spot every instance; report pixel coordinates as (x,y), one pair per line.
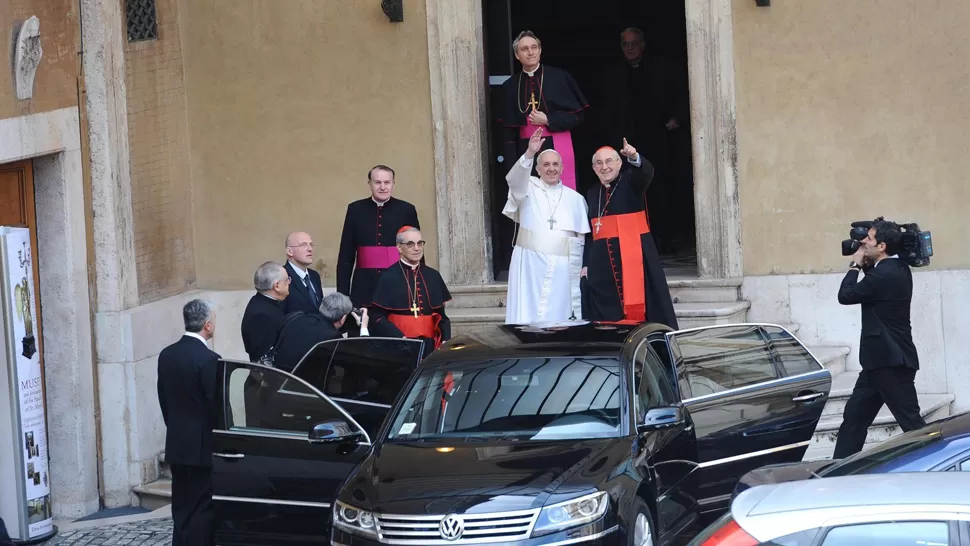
(915,247)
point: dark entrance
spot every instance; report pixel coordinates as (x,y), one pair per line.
(583,38)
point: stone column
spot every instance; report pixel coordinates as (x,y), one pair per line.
(710,44)
(104,37)
(459,115)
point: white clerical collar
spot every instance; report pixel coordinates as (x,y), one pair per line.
(196,336)
(413,267)
(533,73)
(268,296)
(379,203)
(300,272)
(546,187)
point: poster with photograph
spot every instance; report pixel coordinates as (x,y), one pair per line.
(19,258)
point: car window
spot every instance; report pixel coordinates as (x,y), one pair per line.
(792,356)
(521,398)
(896,533)
(717,359)
(651,382)
(371,370)
(260,399)
(964,465)
(660,347)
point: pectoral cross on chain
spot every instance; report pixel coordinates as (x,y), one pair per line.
(552,222)
(533,102)
(414,309)
(598,224)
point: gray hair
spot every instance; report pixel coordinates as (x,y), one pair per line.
(524,34)
(335,306)
(195,314)
(634,30)
(267,275)
(400,236)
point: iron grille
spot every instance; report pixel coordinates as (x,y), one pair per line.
(142,21)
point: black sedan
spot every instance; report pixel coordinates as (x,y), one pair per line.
(584,433)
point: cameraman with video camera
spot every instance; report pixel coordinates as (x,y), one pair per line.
(886,350)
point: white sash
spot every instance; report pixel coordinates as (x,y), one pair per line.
(543,243)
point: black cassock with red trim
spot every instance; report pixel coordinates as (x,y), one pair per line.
(410,302)
(620,228)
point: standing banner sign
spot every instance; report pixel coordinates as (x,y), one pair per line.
(26,509)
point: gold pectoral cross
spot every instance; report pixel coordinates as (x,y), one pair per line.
(533,103)
(415,309)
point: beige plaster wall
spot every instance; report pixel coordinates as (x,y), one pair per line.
(847,111)
(289,104)
(55,85)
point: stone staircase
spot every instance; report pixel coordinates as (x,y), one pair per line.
(158,493)
(697,302)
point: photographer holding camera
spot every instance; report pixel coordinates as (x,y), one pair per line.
(886,350)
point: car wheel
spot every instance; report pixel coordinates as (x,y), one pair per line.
(641,526)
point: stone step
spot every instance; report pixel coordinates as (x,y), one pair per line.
(832,357)
(154,495)
(932,407)
(689,315)
(682,290)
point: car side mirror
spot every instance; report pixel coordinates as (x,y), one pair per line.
(333,432)
(661,418)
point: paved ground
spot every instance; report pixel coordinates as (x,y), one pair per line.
(153,532)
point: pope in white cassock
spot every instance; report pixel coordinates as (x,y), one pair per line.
(551,227)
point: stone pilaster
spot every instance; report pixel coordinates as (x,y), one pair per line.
(459,115)
(710,44)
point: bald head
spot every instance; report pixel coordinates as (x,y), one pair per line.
(299,248)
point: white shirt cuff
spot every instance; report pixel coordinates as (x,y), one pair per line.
(638,162)
(525,161)
(364,332)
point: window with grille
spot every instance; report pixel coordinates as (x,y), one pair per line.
(142,22)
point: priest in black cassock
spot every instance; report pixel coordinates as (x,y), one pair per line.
(623,277)
(538,96)
(409,300)
(367,244)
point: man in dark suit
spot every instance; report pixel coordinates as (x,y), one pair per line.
(186,394)
(264,313)
(304,332)
(886,350)
(306,291)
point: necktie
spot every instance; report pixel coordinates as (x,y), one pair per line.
(309,287)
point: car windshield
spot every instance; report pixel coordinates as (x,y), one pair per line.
(516,399)
(891,449)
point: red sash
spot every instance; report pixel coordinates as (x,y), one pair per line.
(377,257)
(628,228)
(425,326)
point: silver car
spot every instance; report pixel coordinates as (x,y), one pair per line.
(905,509)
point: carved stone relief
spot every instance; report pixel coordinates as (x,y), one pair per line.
(27,55)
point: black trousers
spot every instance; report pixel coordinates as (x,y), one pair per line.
(894,386)
(192,509)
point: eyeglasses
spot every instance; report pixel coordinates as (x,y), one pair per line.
(608,162)
(410,244)
(301,245)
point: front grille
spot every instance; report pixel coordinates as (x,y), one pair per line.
(478,528)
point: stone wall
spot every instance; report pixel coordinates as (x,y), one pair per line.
(55,84)
(848,111)
(161,184)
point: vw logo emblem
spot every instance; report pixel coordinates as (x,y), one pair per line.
(451,527)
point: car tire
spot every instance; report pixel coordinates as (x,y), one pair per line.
(641,528)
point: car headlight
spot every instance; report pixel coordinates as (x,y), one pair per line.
(571,513)
(353,520)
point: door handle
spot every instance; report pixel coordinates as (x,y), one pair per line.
(229,455)
(807,397)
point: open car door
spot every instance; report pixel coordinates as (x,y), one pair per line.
(755,394)
(363,375)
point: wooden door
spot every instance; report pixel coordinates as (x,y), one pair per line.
(17,210)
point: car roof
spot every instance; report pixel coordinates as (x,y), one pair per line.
(904,488)
(567,338)
(954,426)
